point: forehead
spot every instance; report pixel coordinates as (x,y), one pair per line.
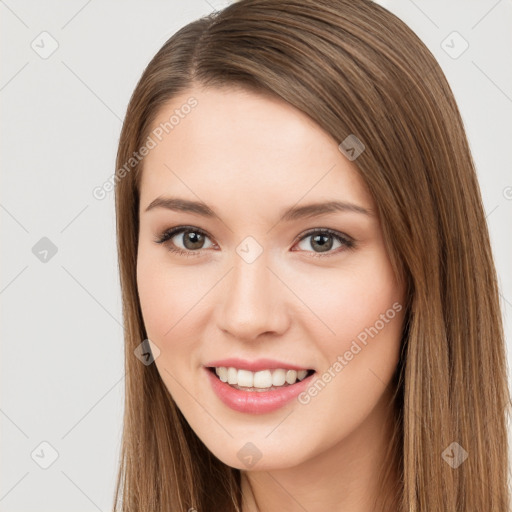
(238,144)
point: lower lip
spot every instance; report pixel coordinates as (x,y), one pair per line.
(256,402)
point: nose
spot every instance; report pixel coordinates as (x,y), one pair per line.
(252,301)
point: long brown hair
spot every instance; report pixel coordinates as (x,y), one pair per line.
(355,69)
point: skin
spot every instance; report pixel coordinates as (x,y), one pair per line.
(249,157)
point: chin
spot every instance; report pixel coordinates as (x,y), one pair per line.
(259,454)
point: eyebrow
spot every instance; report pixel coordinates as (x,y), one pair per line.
(290,214)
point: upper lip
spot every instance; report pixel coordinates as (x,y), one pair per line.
(255,365)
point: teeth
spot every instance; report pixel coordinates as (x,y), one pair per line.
(301,374)
(291,376)
(232,375)
(264,379)
(222,372)
(245,378)
(278,377)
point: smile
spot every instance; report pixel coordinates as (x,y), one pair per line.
(263,380)
(258,392)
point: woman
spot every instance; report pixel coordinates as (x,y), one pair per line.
(307,278)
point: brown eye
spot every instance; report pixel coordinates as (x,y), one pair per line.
(193,240)
(188,240)
(323,240)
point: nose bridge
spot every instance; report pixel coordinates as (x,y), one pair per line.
(250,298)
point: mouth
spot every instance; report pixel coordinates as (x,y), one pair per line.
(261,381)
(259,392)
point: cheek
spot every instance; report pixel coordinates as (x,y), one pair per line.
(165,297)
(173,310)
(357,298)
(363,308)
(156,299)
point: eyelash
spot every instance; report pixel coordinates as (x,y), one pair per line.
(346,241)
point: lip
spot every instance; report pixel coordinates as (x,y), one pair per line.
(256,402)
(254,366)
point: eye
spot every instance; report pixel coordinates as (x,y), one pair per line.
(322,239)
(193,241)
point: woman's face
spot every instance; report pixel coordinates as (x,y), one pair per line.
(257,288)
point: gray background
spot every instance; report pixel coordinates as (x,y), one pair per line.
(62,376)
